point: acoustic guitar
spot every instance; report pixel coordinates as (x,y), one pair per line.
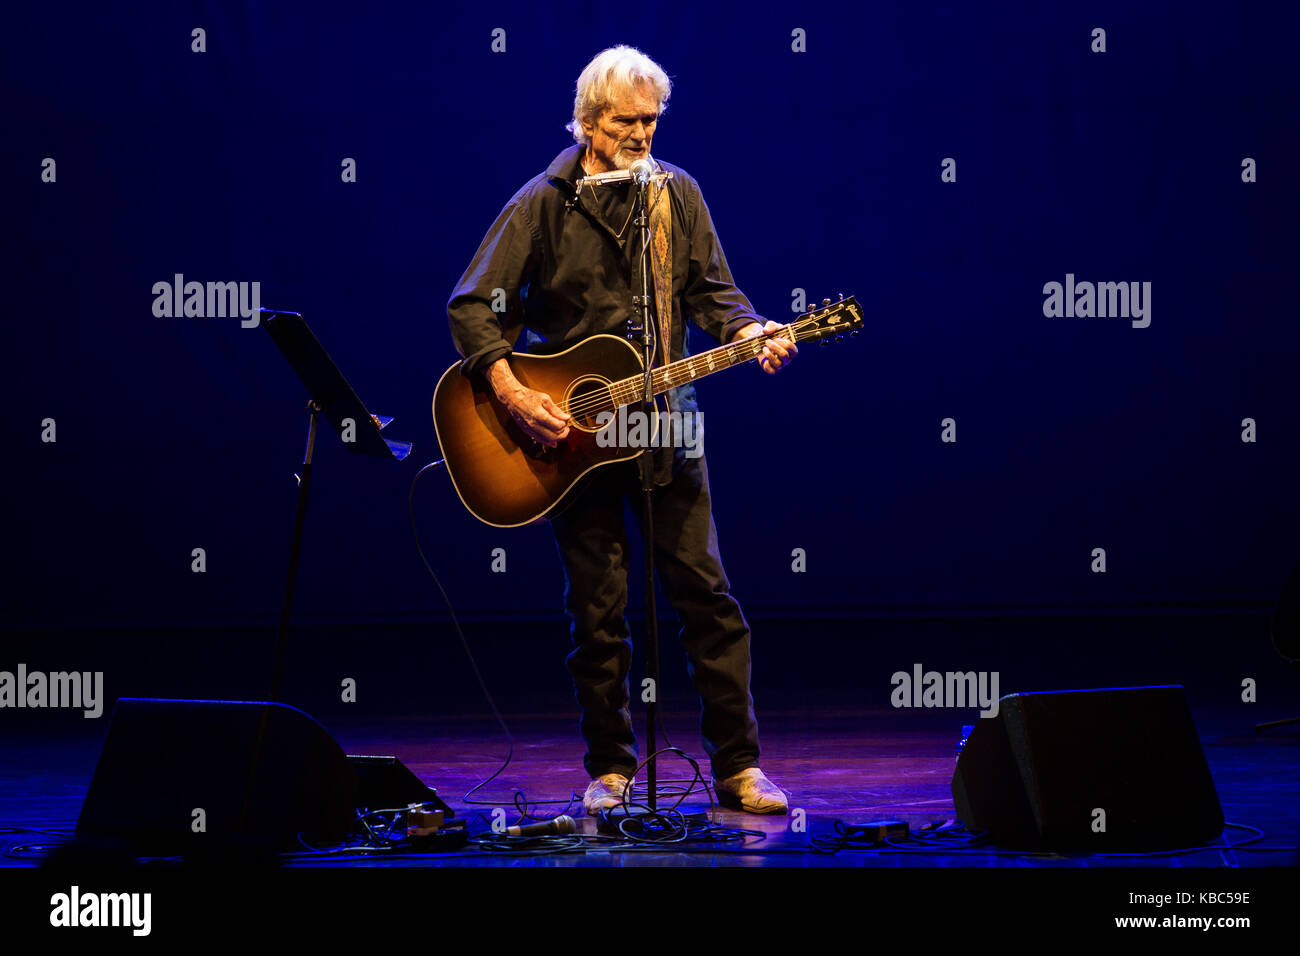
(506,479)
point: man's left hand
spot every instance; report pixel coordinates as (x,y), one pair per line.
(777,352)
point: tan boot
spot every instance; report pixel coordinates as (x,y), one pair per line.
(752,792)
(604,792)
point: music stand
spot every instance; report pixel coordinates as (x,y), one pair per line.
(333,397)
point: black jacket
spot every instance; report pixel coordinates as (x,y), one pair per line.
(565,275)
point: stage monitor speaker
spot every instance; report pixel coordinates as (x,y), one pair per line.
(1115,769)
(385,783)
(188,777)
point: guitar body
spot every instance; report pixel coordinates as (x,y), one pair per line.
(502,476)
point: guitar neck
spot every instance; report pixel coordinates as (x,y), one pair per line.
(829,320)
(628,391)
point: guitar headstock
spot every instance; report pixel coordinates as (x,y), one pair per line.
(830,320)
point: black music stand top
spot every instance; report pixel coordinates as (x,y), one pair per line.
(329,390)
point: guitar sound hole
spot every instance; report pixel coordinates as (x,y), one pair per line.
(586,398)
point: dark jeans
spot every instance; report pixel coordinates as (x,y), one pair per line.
(592,541)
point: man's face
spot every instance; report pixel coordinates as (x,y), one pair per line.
(621,134)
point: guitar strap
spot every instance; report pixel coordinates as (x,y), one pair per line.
(661,263)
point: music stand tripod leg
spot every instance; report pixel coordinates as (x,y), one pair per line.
(295,550)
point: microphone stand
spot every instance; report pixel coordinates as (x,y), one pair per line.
(641,309)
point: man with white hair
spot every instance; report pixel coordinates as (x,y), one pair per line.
(568,260)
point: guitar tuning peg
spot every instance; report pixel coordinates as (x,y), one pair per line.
(841,296)
(823,342)
(826,301)
(855,332)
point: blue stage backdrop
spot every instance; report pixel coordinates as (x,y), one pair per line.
(982,445)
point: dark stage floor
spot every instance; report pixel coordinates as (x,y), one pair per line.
(853,766)
(822,687)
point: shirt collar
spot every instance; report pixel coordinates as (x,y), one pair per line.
(568,165)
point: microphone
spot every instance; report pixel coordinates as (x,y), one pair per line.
(641,171)
(562,824)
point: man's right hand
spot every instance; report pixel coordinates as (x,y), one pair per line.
(535,412)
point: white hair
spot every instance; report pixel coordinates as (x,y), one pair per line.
(619,67)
